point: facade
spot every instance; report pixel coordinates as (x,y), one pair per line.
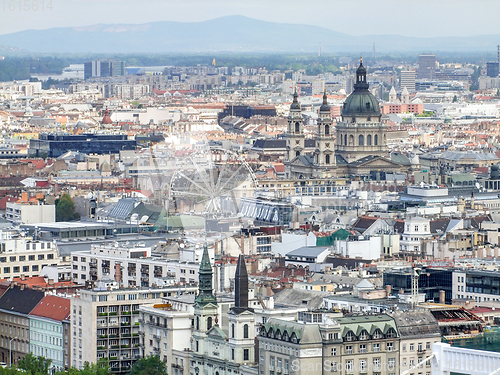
(416,230)
(47,331)
(29,213)
(131,266)
(360,143)
(426,66)
(215,350)
(408,80)
(15,306)
(105,324)
(492,69)
(54,145)
(166,331)
(25,257)
(319,343)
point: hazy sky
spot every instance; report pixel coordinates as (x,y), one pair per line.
(425,18)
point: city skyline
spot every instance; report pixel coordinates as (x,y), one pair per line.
(380,18)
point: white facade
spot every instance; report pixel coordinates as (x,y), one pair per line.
(25,257)
(371,248)
(416,229)
(30,213)
(130,266)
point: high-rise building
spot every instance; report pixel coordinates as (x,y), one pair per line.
(426,66)
(98,68)
(408,80)
(492,69)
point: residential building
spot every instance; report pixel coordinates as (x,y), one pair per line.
(130,265)
(30,212)
(105,324)
(416,230)
(15,306)
(25,256)
(408,80)
(49,321)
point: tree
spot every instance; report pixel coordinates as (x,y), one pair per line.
(65,209)
(35,365)
(99,368)
(151,365)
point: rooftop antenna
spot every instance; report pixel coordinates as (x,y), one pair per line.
(498,53)
(373,53)
(319,52)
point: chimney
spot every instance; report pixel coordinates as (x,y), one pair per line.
(442,297)
(118,275)
(388,289)
(51,282)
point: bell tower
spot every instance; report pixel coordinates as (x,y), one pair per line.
(205,305)
(241,318)
(325,141)
(295,140)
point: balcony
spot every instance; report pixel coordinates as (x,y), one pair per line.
(278,370)
(271,368)
(157,337)
(156,349)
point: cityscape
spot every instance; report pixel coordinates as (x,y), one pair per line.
(188,199)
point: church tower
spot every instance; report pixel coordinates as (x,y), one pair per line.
(325,141)
(205,305)
(241,319)
(361,132)
(295,140)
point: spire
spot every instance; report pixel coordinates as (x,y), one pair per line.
(240,287)
(205,288)
(295,102)
(361,77)
(325,107)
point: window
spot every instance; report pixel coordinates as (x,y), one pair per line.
(15,269)
(50,256)
(348,349)
(404,347)
(120,297)
(232,354)
(232,331)
(390,346)
(209,323)
(333,351)
(12,259)
(6,270)
(103,298)
(362,365)
(245,331)
(391,364)
(362,348)
(420,347)
(22,258)
(412,347)
(361,140)
(31,257)
(376,347)
(427,345)
(349,366)
(363,335)
(376,363)
(132,296)
(349,336)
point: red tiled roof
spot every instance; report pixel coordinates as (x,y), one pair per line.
(52,307)
(4,200)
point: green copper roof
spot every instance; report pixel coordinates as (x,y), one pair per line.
(205,295)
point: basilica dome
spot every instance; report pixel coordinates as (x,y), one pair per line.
(361,102)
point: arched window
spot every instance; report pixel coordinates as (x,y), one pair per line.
(369,140)
(327,129)
(351,140)
(361,140)
(297,128)
(232,331)
(245,331)
(297,153)
(209,323)
(375,140)
(197,323)
(327,159)
(345,140)
(341,140)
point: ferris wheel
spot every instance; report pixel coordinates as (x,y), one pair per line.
(209,180)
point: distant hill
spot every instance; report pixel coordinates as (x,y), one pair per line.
(231,34)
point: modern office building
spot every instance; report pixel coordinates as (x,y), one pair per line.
(408,80)
(426,66)
(99,68)
(54,145)
(492,69)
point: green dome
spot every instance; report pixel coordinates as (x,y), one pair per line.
(361,103)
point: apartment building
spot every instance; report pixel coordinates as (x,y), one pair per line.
(48,322)
(105,324)
(130,265)
(15,306)
(25,256)
(165,331)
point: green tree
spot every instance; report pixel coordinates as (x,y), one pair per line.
(99,368)
(11,371)
(151,365)
(35,365)
(65,209)
(455,99)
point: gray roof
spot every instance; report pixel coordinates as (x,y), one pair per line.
(306,333)
(479,156)
(301,298)
(307,251)
(416,324)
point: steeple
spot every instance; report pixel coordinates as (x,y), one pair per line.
(205,288)
(295,103)
(361,83)
(240,287)
(325,107)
